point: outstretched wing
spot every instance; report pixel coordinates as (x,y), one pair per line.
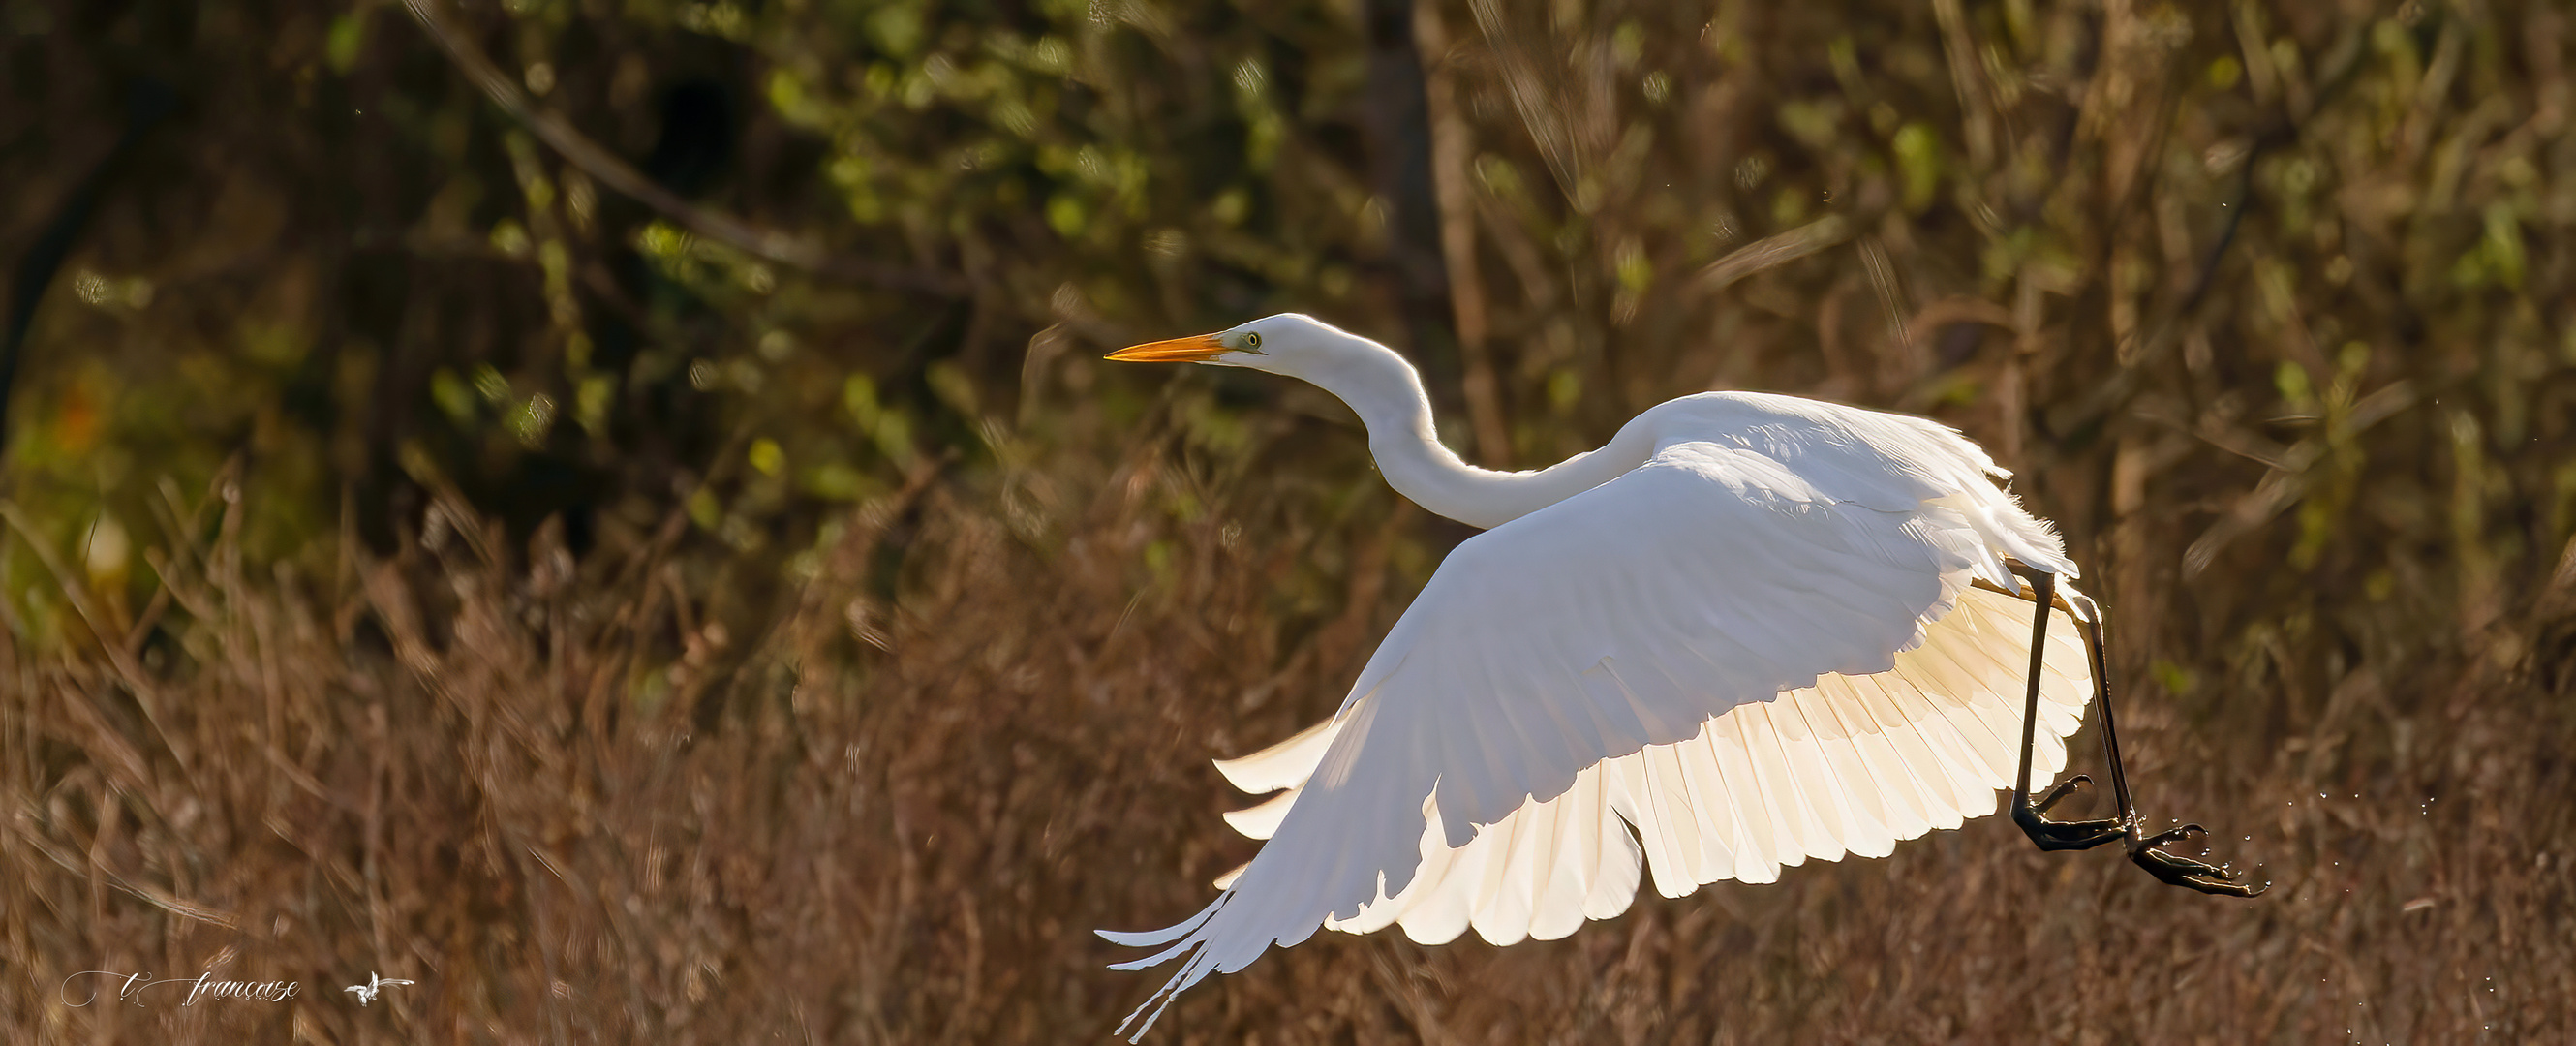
(1706,648)
(1850,765)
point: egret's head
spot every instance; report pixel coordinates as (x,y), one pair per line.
(1290,343)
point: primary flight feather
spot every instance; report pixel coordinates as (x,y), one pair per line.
(1750,630)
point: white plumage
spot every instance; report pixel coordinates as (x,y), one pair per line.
(1741,635)
(1851,765)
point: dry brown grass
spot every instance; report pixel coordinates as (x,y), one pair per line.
(898,822)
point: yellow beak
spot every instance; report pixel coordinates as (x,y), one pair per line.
(1193,349)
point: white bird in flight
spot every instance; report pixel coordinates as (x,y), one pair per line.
(1751,630)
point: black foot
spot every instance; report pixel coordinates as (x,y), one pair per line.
(2064,835)
(2188,873)
(2064,788)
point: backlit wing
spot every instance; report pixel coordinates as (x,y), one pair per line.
(1756,648)
(1850,765)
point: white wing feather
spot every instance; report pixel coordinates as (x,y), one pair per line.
(1865,763)
(1756,648)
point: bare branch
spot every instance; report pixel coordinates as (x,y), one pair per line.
(616,174)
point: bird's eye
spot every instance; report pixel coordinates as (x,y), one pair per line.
(1252,341)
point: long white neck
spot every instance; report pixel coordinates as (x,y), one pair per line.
(1387,394)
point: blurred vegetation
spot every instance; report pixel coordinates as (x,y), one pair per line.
(664,442)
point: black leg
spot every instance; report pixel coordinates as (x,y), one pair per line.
(2051,835)
(2147,850)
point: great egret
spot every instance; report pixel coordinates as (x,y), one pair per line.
(1751,630)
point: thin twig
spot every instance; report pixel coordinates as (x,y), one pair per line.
(559,134)
(161,899)
(1775,250)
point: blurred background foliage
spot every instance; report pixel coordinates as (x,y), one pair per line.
(2223,263)
(2268,304)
